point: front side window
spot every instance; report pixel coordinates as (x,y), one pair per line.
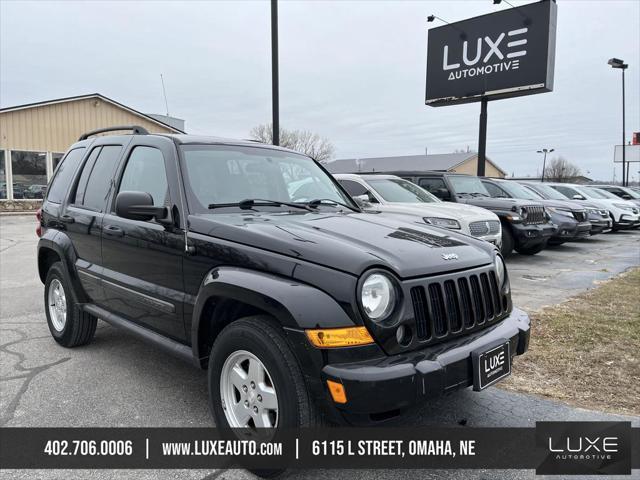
(146,172)
(29,169)
(228,174)
(64,175)
(433,185)
(401,191)
(97,177)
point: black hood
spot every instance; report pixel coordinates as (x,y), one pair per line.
(351,242)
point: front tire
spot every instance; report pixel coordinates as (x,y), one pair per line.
(531,250)
(69,326)
(255,380)
(507,241)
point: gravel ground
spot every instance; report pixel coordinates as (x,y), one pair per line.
(120,381)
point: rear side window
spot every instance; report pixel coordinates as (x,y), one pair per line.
(64,175)
(97,177)
(145,172)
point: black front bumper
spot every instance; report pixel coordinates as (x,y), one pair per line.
(600,225)
(400,381)
(529,235)
(571,230)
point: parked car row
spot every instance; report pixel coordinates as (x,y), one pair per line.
(21,191)
(520,216)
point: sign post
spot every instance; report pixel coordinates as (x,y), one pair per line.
(505,54)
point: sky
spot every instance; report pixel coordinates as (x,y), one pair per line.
(353,72)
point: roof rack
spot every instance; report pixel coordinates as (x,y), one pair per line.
(135,129)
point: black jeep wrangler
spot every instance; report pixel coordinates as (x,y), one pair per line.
(251,261)
(526,225)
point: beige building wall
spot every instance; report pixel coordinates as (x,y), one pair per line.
(470,167)
(55,127)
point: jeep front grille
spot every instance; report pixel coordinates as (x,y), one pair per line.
(446,308)
(478,229)
(535,215)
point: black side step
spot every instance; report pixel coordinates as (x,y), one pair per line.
(177,349)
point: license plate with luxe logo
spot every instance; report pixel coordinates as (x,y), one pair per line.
(491,365)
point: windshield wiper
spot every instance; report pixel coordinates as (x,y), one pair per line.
(327,201)
(475,194)
(249,203)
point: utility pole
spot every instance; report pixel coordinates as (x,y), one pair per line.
(275,95)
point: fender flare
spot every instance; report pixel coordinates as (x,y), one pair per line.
(295,305)
(61,244)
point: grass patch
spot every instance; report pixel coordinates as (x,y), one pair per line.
(586,351)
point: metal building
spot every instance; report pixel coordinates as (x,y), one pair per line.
(34,137)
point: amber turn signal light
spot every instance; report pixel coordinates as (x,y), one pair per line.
(339,337)
(337,391)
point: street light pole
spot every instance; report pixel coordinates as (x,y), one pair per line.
(275,90)
(617,63)
(544,160)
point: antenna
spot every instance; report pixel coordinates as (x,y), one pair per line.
(164,92)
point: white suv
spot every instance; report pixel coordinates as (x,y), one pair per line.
(623,213)
(391,194)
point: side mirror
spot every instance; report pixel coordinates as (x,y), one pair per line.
(362,201)
(578,197)
(442,194)
(139,206)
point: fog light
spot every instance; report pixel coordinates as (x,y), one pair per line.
(403,335)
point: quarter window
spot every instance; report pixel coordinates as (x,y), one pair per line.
(64,175)
(146,172)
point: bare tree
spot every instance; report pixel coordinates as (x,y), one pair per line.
(303,141)
(561,170)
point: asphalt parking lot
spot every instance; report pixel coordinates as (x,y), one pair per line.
(120,381)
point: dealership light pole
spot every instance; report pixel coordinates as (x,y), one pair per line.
(275,94)
(617,63)
(544,160)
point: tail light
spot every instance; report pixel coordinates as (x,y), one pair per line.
(39,218)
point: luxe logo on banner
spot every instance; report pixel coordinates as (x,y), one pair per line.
(584,448)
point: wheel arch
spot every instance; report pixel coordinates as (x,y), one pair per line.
(56,246)
(229,293)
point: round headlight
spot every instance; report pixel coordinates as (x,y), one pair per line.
(500,271)
(524,213)
(378,296)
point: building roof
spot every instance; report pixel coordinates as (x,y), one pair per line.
(88,96)
(405,163)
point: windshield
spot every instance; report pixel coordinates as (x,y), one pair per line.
(548,192)
(228,174)
(468,185)
(396,190)
(518,191)
(591,192)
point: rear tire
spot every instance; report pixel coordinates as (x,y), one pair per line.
(69,326)
(507,241)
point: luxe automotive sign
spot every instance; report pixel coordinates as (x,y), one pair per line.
(499,55)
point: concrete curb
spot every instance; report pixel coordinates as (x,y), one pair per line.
(17,214)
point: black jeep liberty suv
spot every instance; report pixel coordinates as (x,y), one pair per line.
(252,262)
